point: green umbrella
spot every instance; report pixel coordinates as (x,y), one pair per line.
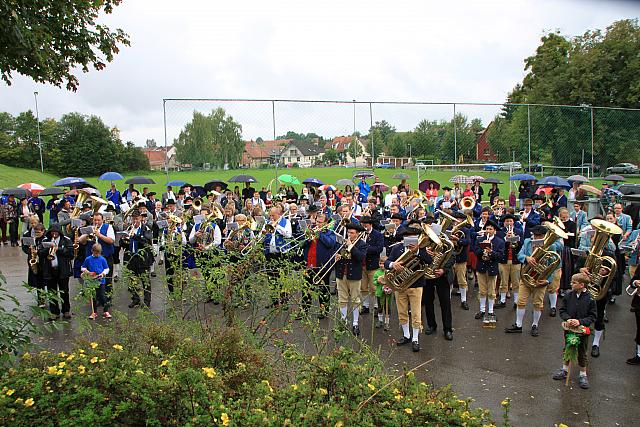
(289,179)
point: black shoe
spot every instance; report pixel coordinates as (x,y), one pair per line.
(429,330)
(364,310)
(605,318)
(464,305)
(356,330)
(415,346)
(153,274)
(583,381)
(612,300)
(134,304)
(560,375)
(66,315)
(448,335)
(515,305)
(404,341)
(500,305)
(595,351)
(479,315)
(553,312)
(513,329)
(534,331)
(635,360)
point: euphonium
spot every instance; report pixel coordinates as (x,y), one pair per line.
(546,261)
(441,253)
(596,262)
(197,204)
(413,267)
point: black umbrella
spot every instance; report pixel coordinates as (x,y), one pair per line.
(20,193)
(634,198)
(364,174)
(492,180)
(139,180)
(52,191)
(242,178)
(628,189)
(615,178)
(211,185)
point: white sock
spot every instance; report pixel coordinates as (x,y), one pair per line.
(519,316)
(405,330)
(463,294)
(565,367)
(553,299)
(491,301)
(482,304)
(536,317)
(153,267)
(343,313)
(638,350)
(365,301)
(380,317)
(450,291)
(503,297)
(162,256)
(416,334)
(583,373)
(515,297)
(596,338)
(356,314)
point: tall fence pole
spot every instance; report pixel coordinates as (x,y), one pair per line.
(273,120)
(35,95)
(592,143)
(373,152)
(529,135)
(455,140)
(355,138)
(166,150)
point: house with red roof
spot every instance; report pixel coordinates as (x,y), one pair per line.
(484,153)
(159,157)
(343,145)
(263,152)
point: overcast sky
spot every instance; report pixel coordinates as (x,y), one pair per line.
(435,51)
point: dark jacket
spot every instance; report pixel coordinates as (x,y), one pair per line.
(398,250)
(532,220)
(375,244)
(325,247)
(64,255)
(515,247)
(583,308)
(463,246)
(497,251)
(138,255)
(353,266)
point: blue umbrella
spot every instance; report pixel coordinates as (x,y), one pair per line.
(176,183)
(110,176)
(554,181)
(69,181)
(522,177)
(313,181)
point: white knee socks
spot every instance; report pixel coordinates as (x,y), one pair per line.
(343,313)
(503,297)
(405,330)
(519,316)
(482,304)
(515,297)
(356,314)
(491,301)
(536,317)
(596,338)
(638,350)
(553,299)
(463,294)
(416,334)
(365,300)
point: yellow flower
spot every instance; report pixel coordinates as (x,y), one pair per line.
(94,360)
(81,351)
(323,391)
(371,386)
(28,403)
(61,365)
(19,400)
(265,382)
(294,387)
(102,360)
(117,347)
(26,355)
(210,372)
(398,397)
(164,363)
(94,345)
(71,357)
(135,360)
(10,392)
(139,371)
(154,349)
(81,369)
(59,372)
(224,418)
(408,411)
(562,425)
(505,402)
(339,424)
(62,354)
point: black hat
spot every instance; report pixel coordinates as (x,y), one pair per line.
(493,224)
(366,220)
(87,205)
(446,188)
(152,193)
(458,215)
(170,202)
(397,216)
(110,207)
(539,230)
(508,216)
(313,208)
(135,213)
(188,199)
(356,227)
(53,227)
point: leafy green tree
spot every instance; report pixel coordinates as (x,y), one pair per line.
(330,156)
(355,149)
(50,40)
(215,138)
(381,133)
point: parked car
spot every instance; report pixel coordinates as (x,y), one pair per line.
(384,165)
(594,168)
(491,168)
(536,167)
(516,166)
(623,168)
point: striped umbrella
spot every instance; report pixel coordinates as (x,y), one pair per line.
(459,179)
(32,187)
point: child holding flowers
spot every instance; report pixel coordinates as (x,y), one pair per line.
(95,267)
(383,294)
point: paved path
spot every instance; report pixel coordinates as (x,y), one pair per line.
(487,365)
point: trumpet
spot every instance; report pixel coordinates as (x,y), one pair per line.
(52,253)
(33,260)
(344,251)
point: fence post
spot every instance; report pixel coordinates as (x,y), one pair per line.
(166,151)
(529,135)
(592,143)
(455,140)
(273,120)
(373,156)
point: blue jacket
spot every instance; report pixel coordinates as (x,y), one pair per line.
(352,267)
(579,218)
(515,247)
(527,250)
(398,250)
(375,244)
(497,251)
(464,243)
(532,220)
(325,247)
(107,250)
(365,188)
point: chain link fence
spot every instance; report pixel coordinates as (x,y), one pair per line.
(564,139)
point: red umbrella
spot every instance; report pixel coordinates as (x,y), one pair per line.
(383,187)
(34,188)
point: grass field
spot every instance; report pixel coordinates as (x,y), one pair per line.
(11,177)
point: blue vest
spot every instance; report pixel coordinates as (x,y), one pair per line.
(107,249)
(279,238)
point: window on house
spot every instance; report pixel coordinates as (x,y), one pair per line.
(486,152)
(298,159)
(292,152)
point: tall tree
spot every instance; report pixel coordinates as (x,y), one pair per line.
(381,133)
(50,40)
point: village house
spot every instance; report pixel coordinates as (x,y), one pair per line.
(262,153)
(159,157)
(342,144)
(304,153)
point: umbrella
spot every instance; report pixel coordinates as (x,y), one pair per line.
(590,189)
(628,189)
(492,180)
(383,187)
(327,187)
(577,178)
(632,197)
(400,175)
(92,191)
(139,180)
(424,185)
(522,177)
(612,192)
(242,178)
(32,187)
(367,174)
(459,179)
(52,191)
(199,190)
(344,182)
(69,181)
(544,190)
(312,181)
(17,192)
(614,178)
(554,181)
(475,178)
(289,179)
(175,183)
(110,176)
(211,185)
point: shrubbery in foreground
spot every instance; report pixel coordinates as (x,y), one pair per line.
(160,374)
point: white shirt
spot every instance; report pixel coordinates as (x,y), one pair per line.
(110,233)
(258,202)
(284,230)
(388,198)
(217,235)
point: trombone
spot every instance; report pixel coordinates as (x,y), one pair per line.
(268,228)
(344,251)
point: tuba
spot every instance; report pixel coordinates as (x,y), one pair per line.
(442,251)
(457,231)
(595,261)
(547,261)
(77,207)
(413,267)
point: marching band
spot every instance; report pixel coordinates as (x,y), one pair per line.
(405,244)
